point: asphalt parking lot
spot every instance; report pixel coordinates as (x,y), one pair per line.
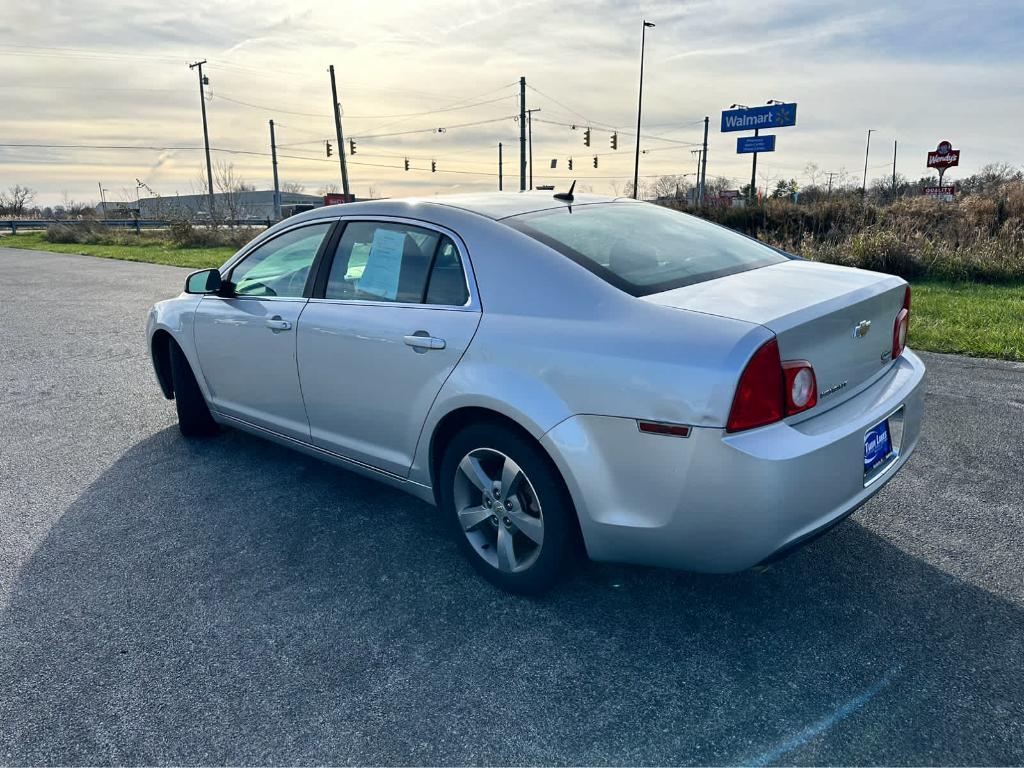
(227,601)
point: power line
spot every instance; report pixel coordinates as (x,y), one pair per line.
(278,110)
(439,129)
(624,133)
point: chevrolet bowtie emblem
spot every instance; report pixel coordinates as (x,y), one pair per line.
(860,330)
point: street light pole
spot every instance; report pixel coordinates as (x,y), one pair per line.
(639,107)
(867,150)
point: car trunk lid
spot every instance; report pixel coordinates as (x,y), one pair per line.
(838,319)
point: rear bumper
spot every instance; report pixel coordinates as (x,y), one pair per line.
(718,502)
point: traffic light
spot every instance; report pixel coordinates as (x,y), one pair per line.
(570,163)
(433,167)
(615,141)
(595,161)
(328,144)
(407,164)
(351,146)
(586,138)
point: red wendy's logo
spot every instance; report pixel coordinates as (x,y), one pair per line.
(944,156)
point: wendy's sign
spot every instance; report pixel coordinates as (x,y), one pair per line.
(944,156)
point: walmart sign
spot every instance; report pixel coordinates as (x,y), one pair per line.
(770,116)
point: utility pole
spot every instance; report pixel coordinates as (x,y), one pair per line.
(700,154)
(639,107)
(895,142)
(529,128)
(501,185)
(103,200)
(830,175)
(206,132)
(522,134)
(341,136)
(867,150)
(277,188)
(702,178)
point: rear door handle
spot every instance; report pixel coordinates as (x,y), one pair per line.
(421,342)
(277,324)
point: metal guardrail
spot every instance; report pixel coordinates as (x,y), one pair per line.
(137,224)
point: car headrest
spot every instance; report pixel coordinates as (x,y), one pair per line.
(625,259)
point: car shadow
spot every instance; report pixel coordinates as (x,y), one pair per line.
(228,601)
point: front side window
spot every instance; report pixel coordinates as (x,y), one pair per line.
(391,262)
(281,266)
(643,248)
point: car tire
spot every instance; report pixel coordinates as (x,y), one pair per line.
(194,419)
(498,527)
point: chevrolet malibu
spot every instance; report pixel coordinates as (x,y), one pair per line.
(558,374)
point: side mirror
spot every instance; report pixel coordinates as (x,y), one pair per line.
(204,281)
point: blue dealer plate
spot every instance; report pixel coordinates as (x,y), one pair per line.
(877,447)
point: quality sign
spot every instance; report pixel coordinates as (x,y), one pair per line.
(748,144)
(771,116)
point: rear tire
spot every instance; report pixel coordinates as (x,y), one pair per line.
(500,494)
(194,419)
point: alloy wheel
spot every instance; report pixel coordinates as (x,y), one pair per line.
(498,510)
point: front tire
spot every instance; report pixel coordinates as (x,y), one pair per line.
(508,508)
(194,419)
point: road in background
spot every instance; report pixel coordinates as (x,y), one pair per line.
(229,601)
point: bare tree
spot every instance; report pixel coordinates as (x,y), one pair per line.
(231,187)
(328,189)
(673,186)
(16,200)
(813,174)
(293,187)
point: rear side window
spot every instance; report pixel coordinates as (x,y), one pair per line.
(642,248)
(447,279)
(399,263)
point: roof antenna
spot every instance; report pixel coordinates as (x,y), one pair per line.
(566,195)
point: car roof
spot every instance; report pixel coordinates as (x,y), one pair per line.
(493,205)
(501,205)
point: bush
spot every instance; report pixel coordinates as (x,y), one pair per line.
(77,232)
(979,237)
(184,234)
(181,234)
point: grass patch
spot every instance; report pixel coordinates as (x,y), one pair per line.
(968,319)
(959,318)
(147,248)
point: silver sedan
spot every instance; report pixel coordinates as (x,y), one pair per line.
(558,375)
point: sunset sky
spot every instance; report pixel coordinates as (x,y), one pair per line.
(116,74)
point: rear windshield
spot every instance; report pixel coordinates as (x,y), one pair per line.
(642,248)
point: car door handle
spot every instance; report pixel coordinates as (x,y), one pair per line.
(424,342)
(277,324)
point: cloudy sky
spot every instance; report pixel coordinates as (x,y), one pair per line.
(115,74)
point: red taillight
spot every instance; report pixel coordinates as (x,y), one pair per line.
(759,396)
(771,389)
(901,326)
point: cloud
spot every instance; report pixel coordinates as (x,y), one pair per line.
(120,77)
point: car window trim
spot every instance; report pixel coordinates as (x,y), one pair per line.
(469,277)
(227,271)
